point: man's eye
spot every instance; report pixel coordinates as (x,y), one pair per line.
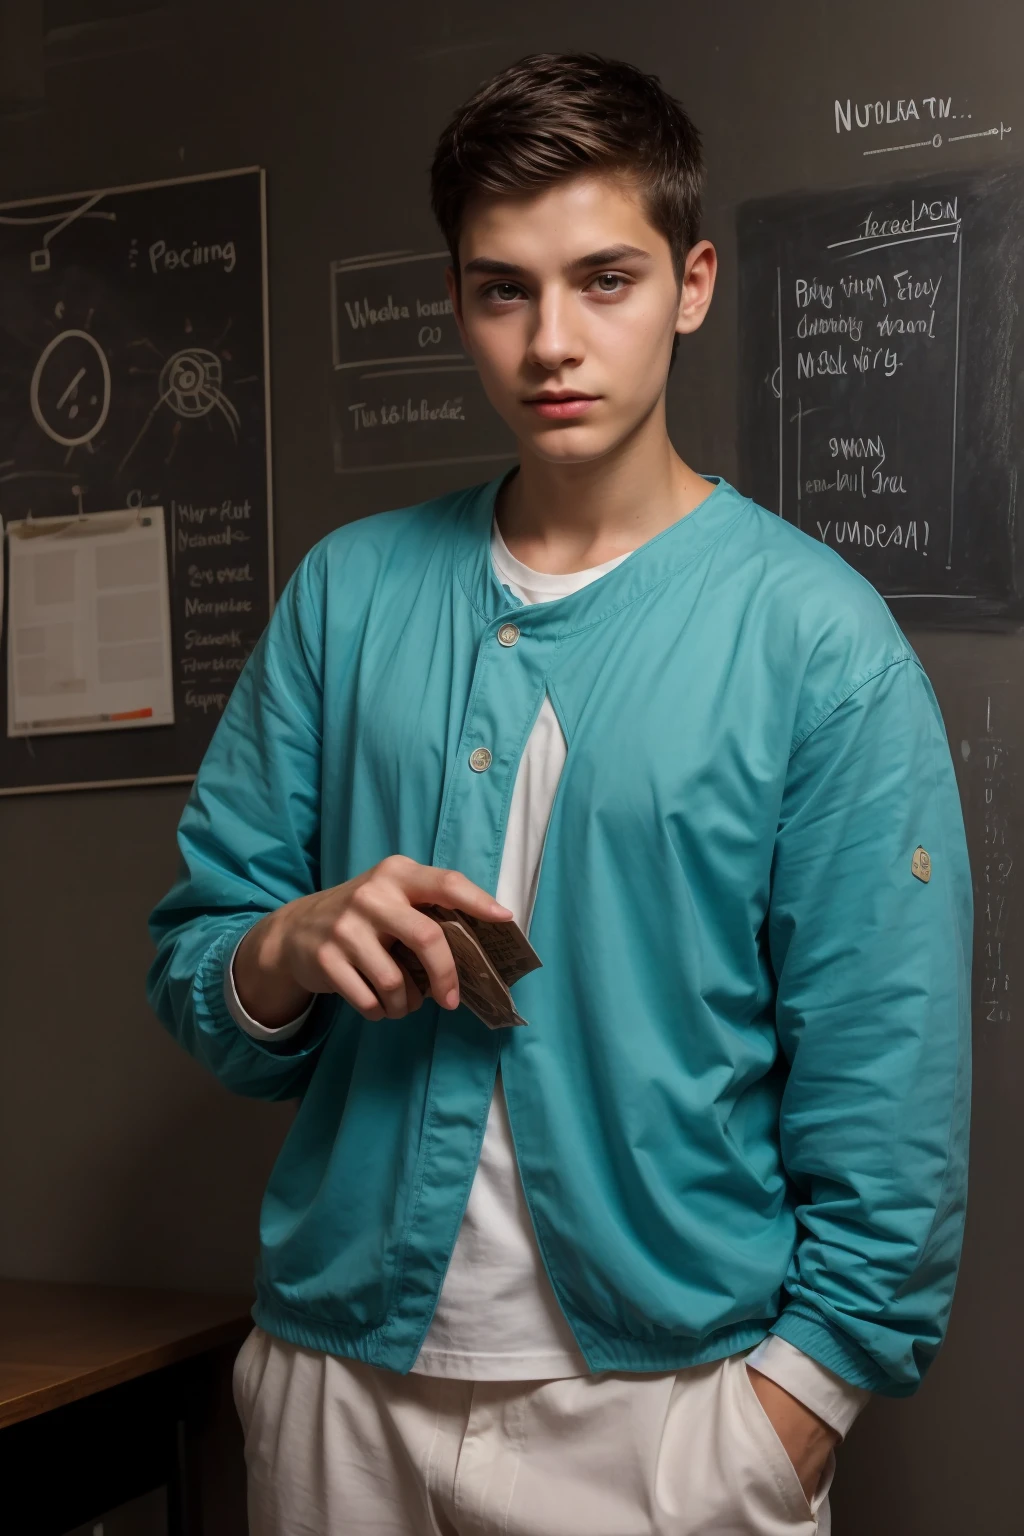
(502,291)
(609,277)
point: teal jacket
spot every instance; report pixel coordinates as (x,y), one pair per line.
(741,1102)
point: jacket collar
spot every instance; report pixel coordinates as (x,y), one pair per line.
(649,565)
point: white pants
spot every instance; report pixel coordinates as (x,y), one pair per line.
(337,1448)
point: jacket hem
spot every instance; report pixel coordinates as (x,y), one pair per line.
(631,1355)
(667,1353)
(317,1333)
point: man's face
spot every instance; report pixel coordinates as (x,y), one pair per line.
(572,291)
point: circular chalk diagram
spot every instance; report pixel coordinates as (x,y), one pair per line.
(71,385)
(191,381)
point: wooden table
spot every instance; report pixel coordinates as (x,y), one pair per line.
(103,1391)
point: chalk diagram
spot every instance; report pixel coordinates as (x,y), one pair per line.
(69,397)
(190,385)
(70,389)
(39,259)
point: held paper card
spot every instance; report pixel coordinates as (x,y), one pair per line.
(89,637)
(490,957)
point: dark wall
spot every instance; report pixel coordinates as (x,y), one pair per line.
(118,1159)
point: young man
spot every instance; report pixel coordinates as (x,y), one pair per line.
(635,1267)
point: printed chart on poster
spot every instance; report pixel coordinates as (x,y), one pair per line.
(880,363)
(134,475)
(90,645)
(405,393)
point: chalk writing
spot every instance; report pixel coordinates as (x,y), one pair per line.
(920,114)
(390,414)
(890,332)
(190,665)
(164,258)
(186,540)
(213,652)
(852,114)
(877,535)
(222,512)
(202,576)
(194,637)
(868,287)
(830,325)
(361,313)
(880,338)
(364,313)
(215,609)
(405,391)
(204,700)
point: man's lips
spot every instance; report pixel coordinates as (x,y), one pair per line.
(558,407)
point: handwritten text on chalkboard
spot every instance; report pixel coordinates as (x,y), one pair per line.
(879,332)
(405,393)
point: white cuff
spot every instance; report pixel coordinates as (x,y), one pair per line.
(836,1401)
(244,1021)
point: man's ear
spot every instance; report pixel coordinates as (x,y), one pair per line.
(697,287)
(453,294)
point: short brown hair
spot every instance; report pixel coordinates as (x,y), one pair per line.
(551,116)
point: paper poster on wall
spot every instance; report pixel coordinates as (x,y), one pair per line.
(89,642)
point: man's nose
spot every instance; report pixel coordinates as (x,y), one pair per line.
(555,339)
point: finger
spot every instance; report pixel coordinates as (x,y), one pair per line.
(413,995)
(347,982)
(365,951)
(449,888)
(427,941)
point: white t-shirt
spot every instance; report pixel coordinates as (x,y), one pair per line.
(496,1317)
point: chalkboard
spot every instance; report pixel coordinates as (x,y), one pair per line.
(134,373)
(405,393)
(880,356)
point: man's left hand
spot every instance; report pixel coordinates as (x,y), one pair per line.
(806,1438)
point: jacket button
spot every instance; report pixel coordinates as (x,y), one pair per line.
(480,760)
(508,634)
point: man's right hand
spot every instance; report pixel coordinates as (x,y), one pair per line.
(337,941)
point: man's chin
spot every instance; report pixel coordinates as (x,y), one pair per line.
(565,443)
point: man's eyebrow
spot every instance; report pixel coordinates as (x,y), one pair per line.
(606,258)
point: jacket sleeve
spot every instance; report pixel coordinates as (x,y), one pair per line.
(249,842)
(872,966)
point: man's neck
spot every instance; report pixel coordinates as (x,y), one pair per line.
(559,518)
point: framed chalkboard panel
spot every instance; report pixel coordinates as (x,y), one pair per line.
(882,352)
(134,373)
(404,392)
